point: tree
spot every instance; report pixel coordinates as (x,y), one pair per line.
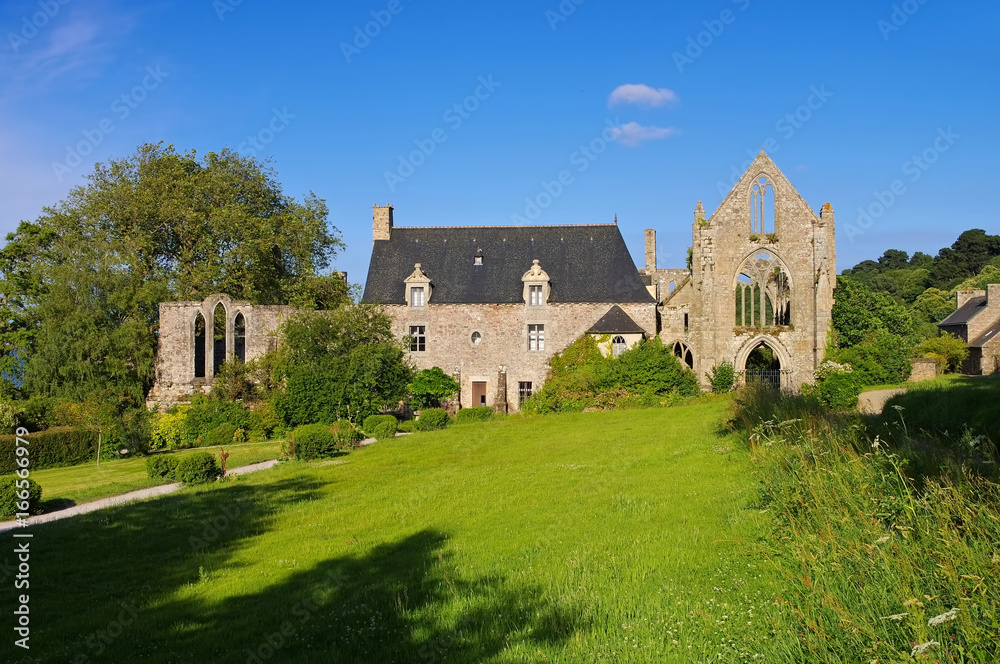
(431,386)
(858,311)
(82,284)
(341,364)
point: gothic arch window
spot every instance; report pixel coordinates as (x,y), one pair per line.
(763,293)
(218,337)
(683,352)
(240,337)
(199,346)
(618,346)
(762,206)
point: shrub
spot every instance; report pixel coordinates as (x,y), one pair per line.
(431,386)
(373,422)
(207,414)
(840,390)
(16,494)
(407,426)
(198,468)
(432,419)
(264,420)
(883,358)
(167,429)
(64,446)
(160,466)
(221,435)
(347,435)
(480,414)
(314,441)
(950,352)
(722,378)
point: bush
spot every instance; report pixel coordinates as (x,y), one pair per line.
(883,358)
(314,441)
(221,435)
(16,494)
(722,378)
(264,420)
(161,466)
(840,391)
(950,352)
(198,468)
(64,446)
(207,414)
(407,426)
(480,414)
(432,419)
(385,429)
(167,429)
(347,435)
(431,386)
(373,422)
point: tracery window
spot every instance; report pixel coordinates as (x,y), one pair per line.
(763,293)
(762,207)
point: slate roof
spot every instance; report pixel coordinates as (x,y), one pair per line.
(966,312)
(986,337)
(585,263)
(616,321)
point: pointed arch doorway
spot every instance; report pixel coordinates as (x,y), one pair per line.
(763,366)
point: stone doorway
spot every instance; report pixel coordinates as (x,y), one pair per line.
(478,393)
(763,367)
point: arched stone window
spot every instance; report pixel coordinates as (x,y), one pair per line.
(618,346)
(219,337)
(762,206)
(240,337)
(763,293)
(199,346)
(682,351)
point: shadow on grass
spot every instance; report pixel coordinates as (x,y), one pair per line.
(55,505)
(162,561)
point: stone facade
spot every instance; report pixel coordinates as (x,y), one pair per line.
(977,322)
(924,368)
(762,273)
(250,331)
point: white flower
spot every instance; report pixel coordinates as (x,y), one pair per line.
(919,649)
(943,618)
(897,617)
(883,539)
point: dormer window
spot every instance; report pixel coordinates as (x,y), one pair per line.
(536,286)
(418,288)
(479,256)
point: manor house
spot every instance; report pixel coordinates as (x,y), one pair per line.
(491,305)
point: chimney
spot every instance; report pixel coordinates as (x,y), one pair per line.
(381,222)
(650,250)
(993,295)
(965,296)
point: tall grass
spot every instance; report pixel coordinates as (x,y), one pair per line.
(880,558)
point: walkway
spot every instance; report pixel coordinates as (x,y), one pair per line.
(132,496)
(872,403)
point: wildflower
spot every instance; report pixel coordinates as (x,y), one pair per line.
(897,617)
(883,539)
(943,618)
(920,648)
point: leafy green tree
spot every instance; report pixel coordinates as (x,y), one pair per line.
(431,386)
(81,285)
(858,311)
(933,306)
(950,352)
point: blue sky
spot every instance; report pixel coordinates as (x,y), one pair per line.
(712,82)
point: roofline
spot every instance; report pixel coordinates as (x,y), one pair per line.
(397,228)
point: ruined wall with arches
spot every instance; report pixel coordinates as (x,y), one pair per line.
(197,337)
(761,279)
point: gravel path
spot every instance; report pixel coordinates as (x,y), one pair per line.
(132,496)
(872,403)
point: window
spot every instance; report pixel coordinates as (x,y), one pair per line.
(477,338)
(763,293)
(535,296)
(762,207)
(523,391)
(618,346)
(687,318)
(418,338)
(199,346)
(536,337)
(240,338)
(219,337)
(417,297)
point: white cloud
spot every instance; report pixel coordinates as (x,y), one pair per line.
(642,95)
(633,134)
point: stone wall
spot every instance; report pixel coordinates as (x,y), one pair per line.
(924,368)
(504,341)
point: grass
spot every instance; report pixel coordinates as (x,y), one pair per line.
(943,381)
(582,537)
(64,487)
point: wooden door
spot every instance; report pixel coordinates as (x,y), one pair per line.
(478,394)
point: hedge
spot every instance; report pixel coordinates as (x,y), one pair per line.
(480,414)
(381,426)
(198,468)
(314,441)
(12,496)
(431,419)
(63,446)
(161,466)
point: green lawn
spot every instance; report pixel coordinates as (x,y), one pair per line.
(62,487)
(584,537)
